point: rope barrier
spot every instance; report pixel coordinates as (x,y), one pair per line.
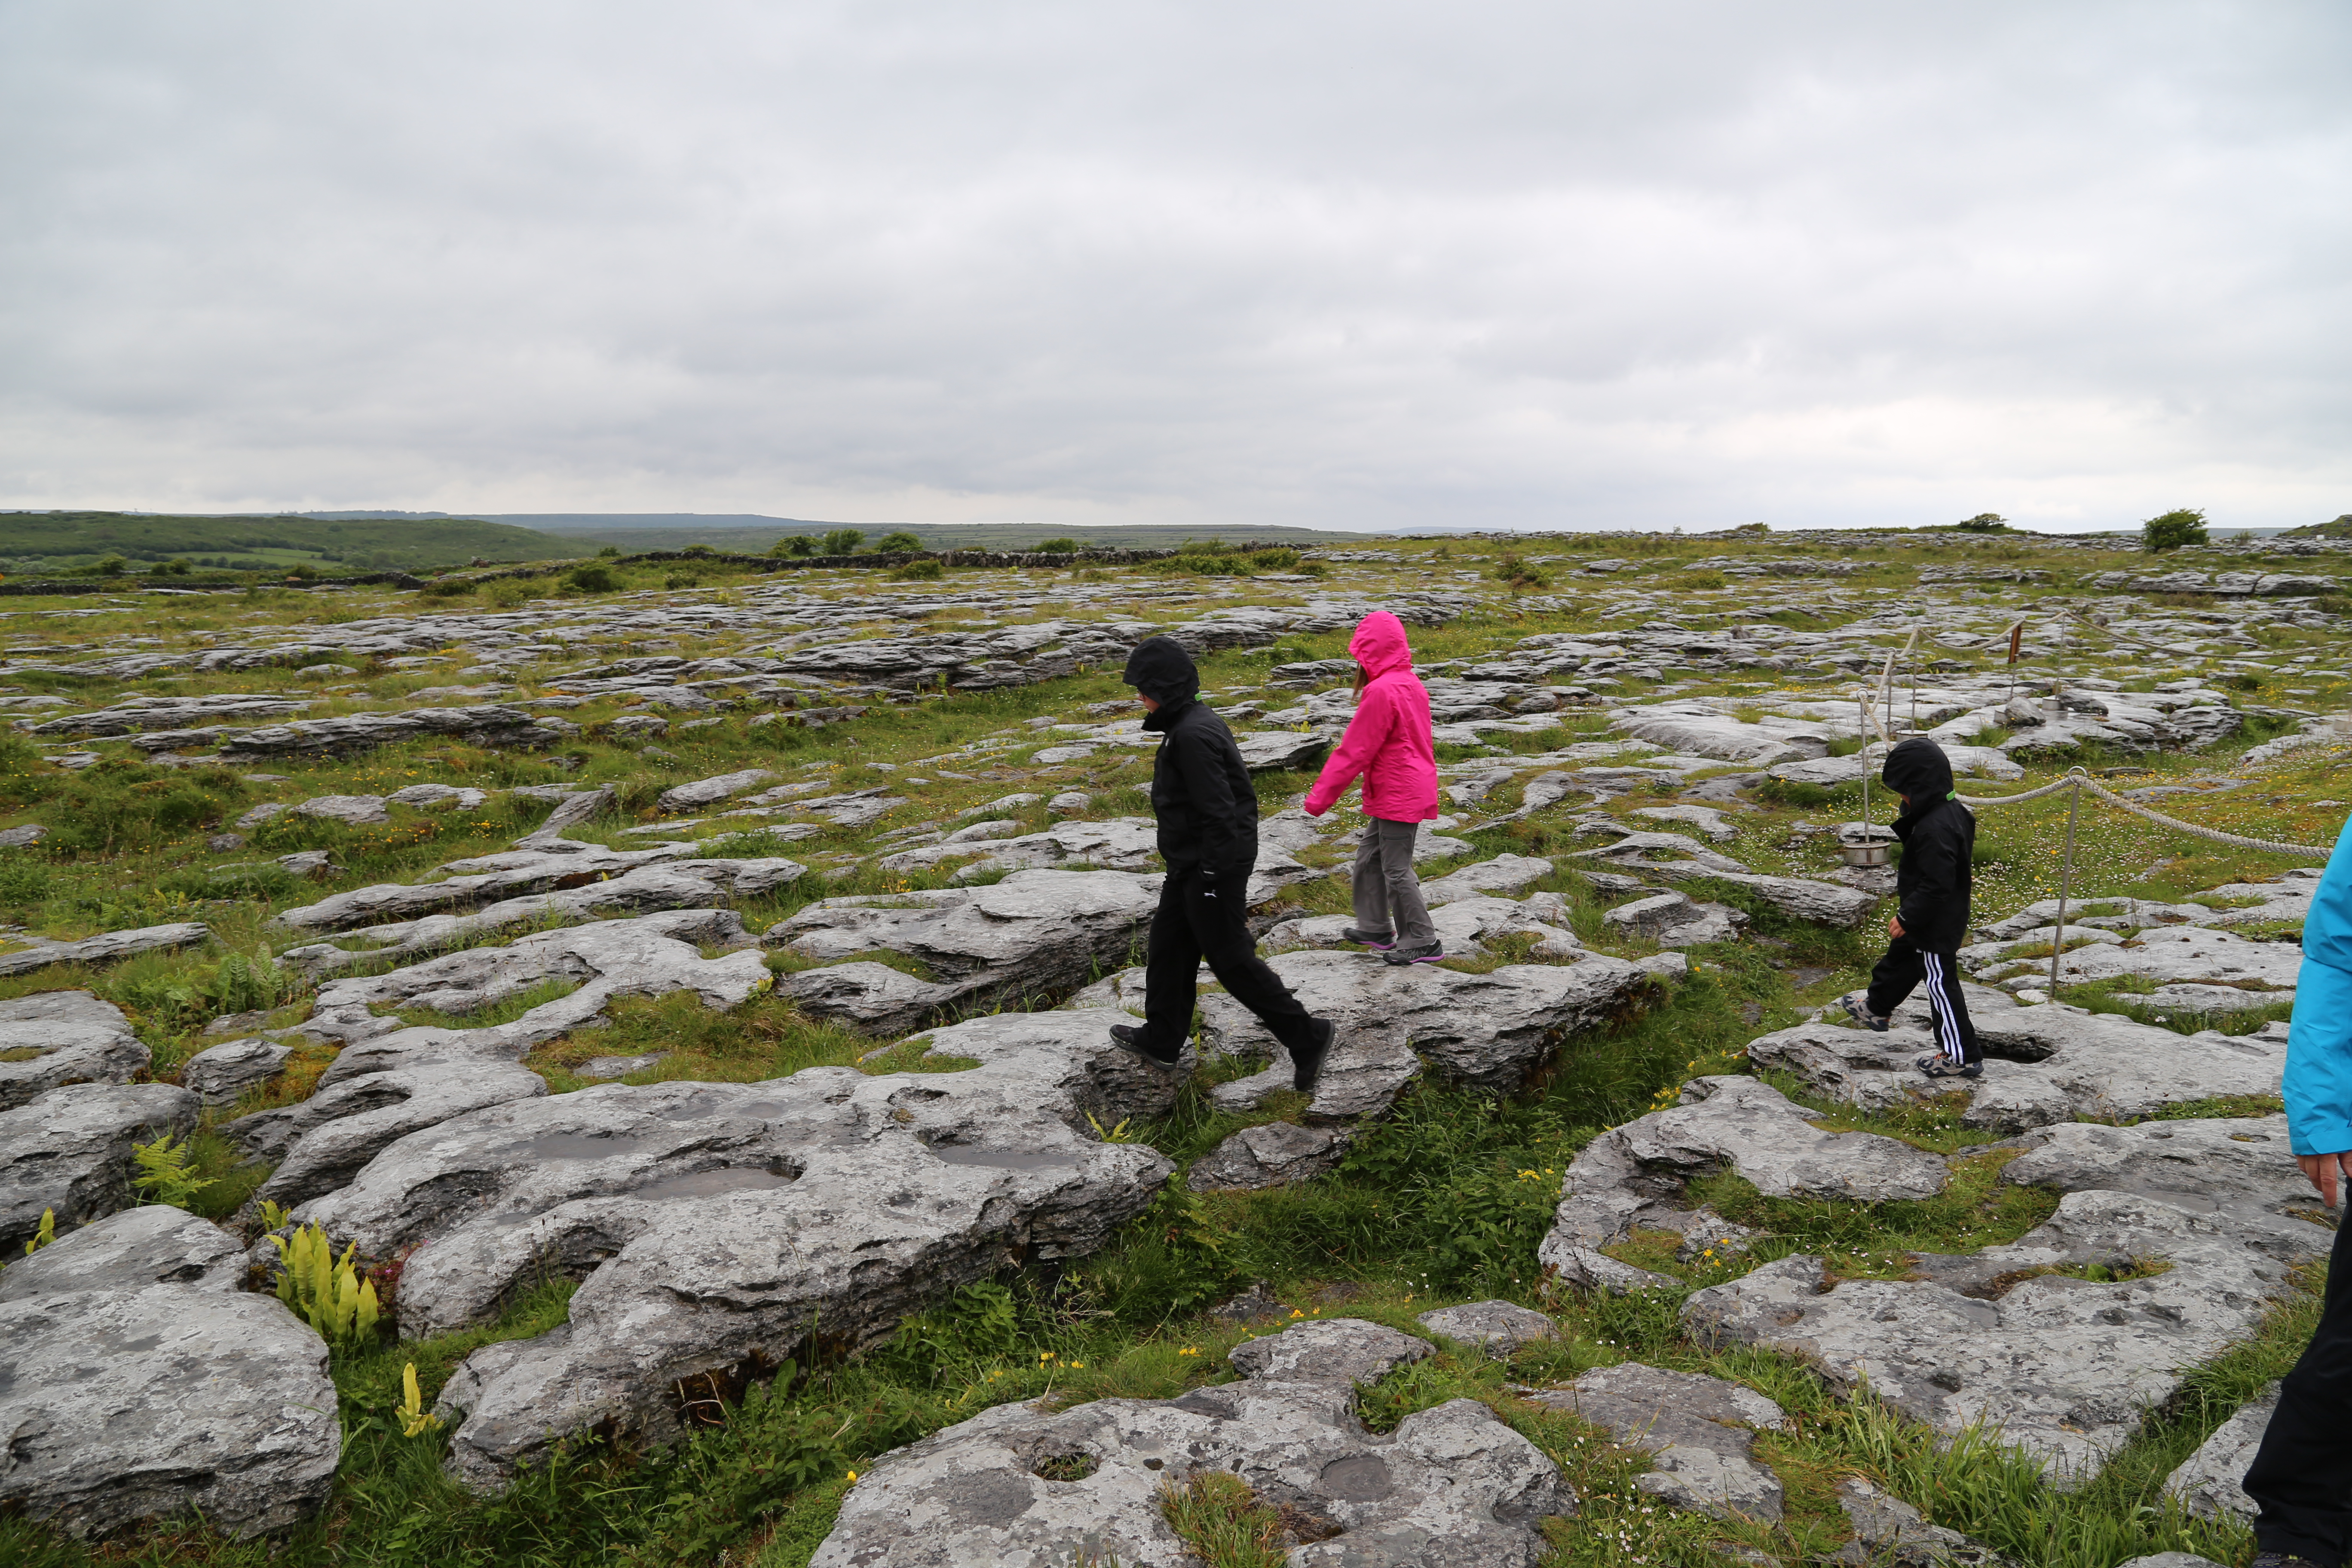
(2078,780)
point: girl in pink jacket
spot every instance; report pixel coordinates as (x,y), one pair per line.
(1388,743)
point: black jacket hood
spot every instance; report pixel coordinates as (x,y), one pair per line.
(1918,768)
(1163,672)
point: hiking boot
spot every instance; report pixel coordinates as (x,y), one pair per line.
(1128,1037)
(1426,952)
(1307,1061)
(1378,941)
(1857,1007)
(1935,1064)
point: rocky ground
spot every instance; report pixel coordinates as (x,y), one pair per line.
(687,1005)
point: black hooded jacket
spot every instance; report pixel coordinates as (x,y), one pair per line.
(1939,841)
(1200,791)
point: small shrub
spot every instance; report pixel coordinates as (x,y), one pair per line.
(324,1291)
(2172,529)
(610,553)
(799,544)
(1702,577)
(590,579)
(111,566)
(898,542)
(1518,573)
(917,571)
(243,984)
(698,551)
(843,541)
(164,1177)
(1984,523)
(1064,546)
(22,881)
(508,591)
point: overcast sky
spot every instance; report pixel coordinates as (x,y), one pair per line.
(1358,266)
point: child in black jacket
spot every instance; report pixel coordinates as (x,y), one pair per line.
(1939,839)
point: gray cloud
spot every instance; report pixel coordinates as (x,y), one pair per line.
(1356,266)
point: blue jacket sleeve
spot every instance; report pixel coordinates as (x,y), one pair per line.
(2318,1084)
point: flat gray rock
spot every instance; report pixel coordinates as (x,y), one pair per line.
(1889,1531)
(1277,1154)
(69,1150)
(1034,935)
(1505,874)
(545,866)
(1018,1487)
(719,1224)
(1497,1327)
(2044,1064)
(1266,751)
(107,947)
(710,791)
(1465,926)
(618,1066)
(154,1244)
(697,884)
(390,1081)
(59,1037)
(1699,1431)
(126,1404)
(2066,1366)
(487,725)
(219,1074)
(1487,1030)
(1675,920)
(2210,1483)
(1633,1175)
(354,809)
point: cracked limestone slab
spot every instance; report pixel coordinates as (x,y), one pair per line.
(711,790)
(720,1225)
(2210,1483)
(1825,903)
(1277,1154)
(659,884)
(1033,934)
(1635,1176)
(2262,974)
(1494,1327)
(1699,1431)
(488,725)
(390,1081)
(1675,919)
(1504,875)
(550,865)
(107,947)
(219,1074)
(126,1404)
(2043,1064)
(59,1037)
(1451,1488)
(2066,1366)
(69,1148)
(1464,925)
(1485,1030)
(154,1244)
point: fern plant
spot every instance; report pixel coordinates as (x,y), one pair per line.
(164,1177)
(414,1419)
(325,1291)
(45,1234)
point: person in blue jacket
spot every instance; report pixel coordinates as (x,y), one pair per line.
(2301,1478)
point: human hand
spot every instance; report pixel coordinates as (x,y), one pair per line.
(1311,810)
(2325,1171)
(1894,925)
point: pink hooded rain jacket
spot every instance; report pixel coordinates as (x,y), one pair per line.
(1388,740)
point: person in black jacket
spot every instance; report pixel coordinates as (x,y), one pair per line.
(1207,812)
(1939,840)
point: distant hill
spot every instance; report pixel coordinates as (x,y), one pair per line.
(2339,529)
(63,540)
(728,535)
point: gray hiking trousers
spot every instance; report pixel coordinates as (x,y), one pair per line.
(1388,895)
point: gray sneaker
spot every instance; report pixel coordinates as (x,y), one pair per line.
(1378,941)
(1935,1064)
(1426,952)
(1857,1007)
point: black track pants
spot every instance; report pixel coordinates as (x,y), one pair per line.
(2302,1476)
(1200,920)
(1904,969)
